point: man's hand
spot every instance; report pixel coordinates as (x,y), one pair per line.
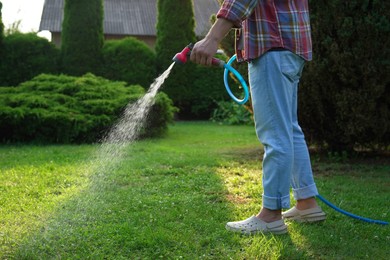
(204,50)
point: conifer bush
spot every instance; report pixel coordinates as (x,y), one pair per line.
(175,30)
(65,109)
(82,36)
(129,60)
(24,56)
(344,92)
(208,90)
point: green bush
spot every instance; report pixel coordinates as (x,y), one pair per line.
(65,109)
(129,60)
(25,56)
(209,89)
(175,30)
(161,112)
(82,36)
(345,93)
(231,113)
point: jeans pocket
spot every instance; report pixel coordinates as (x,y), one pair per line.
(291,66)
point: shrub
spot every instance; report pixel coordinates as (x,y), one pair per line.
(231,113)
(209,90)
(82,36)
(25,56)
(175,30)
(161,112)
(344,93)
(65,109)
(128,60)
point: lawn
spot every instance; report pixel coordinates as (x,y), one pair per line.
(170,198)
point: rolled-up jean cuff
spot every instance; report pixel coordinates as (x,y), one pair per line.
(305,192)
(274,203)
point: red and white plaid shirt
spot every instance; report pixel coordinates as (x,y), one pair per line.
(268,24)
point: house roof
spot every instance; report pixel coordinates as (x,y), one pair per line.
(129,17)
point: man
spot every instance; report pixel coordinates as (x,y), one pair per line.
(275,40)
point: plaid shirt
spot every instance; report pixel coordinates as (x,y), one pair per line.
(268,24)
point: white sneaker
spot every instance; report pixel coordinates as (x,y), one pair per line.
(307,215)
(254,225)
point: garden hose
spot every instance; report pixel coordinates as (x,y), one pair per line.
(229,68)
(381,222)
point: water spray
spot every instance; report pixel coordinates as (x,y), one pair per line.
(182,57)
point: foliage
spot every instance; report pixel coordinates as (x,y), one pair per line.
(128,60)
(161,113)
(207,91)
(25,56)
(1,29)
(345,93)
(65,109)
(82,36)
(174,32)
(13,28)
(231,113)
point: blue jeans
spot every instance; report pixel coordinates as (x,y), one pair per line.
(274,81)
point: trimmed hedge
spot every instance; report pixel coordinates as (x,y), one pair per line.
(65,109)
(24,56)
(175,30)
(82,36)
(129,60)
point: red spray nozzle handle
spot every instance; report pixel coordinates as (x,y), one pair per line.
(183,56)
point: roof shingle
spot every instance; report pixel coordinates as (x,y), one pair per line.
(129,17)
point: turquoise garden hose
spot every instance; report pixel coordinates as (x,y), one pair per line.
(229,68)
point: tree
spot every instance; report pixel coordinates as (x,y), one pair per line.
(1,29)
(175,30)
(82,36)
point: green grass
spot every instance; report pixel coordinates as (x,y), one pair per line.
(170,198)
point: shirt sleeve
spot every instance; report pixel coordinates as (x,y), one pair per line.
(236,11)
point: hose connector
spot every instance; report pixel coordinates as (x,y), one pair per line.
(218,62)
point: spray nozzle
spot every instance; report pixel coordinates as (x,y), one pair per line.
(182,56)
